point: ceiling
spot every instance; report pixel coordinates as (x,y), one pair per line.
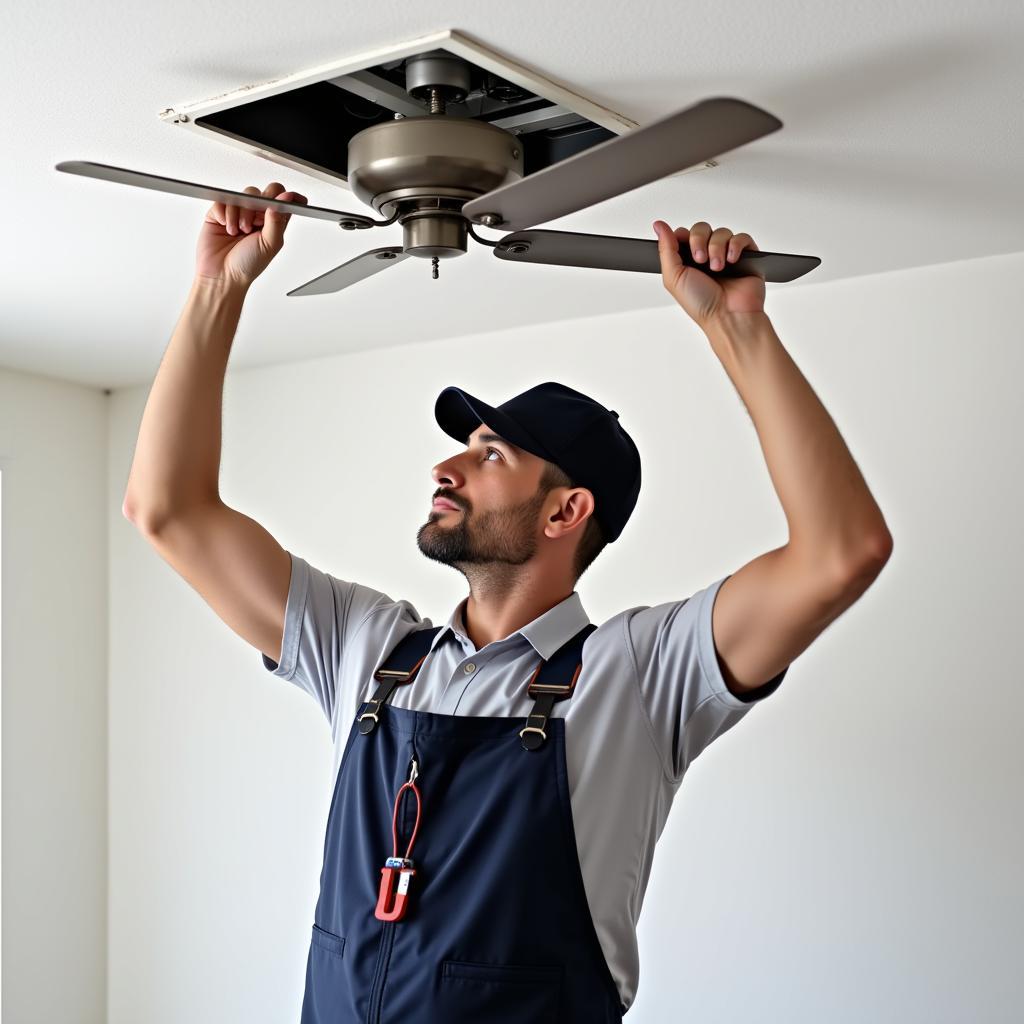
(901,147)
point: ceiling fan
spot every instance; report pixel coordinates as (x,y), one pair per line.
(438,176)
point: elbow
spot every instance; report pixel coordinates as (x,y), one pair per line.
(133,512)
(143,520)
(858,571)
(878,547)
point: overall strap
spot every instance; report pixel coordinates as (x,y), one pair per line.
(398,669)
(565,663)
(546,686)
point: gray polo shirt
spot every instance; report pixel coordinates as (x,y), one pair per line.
(650,698)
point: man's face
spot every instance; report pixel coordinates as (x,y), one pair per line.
(494,486)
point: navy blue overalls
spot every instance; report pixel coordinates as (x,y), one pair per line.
(494,926)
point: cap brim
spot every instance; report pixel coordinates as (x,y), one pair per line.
(459,414)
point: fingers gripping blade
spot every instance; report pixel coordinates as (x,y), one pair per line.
(611,252)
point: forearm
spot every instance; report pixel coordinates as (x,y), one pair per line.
(831,514)
(177,455)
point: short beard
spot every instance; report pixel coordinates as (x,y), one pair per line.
(497,538)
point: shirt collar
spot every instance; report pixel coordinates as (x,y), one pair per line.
(546,633)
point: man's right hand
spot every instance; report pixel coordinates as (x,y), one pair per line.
(236,245)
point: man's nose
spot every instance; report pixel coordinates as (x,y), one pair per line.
(446,472)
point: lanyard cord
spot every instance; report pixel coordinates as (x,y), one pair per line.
(394,819)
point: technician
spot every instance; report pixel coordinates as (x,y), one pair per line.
(501,781)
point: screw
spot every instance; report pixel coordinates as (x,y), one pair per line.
(386,255)
(399,116)
(515,154)
(491,219)
(517,248)
(433,267)
(183,118)
(348,225)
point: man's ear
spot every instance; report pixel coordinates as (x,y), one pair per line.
(576,507)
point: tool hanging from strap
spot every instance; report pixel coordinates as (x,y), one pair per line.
(391,902)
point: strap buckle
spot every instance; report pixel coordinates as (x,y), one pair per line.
(371,714)
(369,727)
(532,743)
(533,728)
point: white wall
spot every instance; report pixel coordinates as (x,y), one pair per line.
(849,852)
(53,462)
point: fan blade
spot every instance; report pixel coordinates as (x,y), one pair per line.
(673,143)
(369,263)
(123,176)
(609,252)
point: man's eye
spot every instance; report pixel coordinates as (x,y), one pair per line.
(487,451)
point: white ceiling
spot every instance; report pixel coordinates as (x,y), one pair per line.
(902,146)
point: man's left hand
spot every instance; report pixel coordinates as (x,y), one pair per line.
(708,300)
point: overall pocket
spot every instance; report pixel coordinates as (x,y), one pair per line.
(499,993)
(327,989)
(333,944)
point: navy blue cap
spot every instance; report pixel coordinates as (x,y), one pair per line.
(566,427)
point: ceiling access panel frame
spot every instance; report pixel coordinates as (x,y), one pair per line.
(566,124)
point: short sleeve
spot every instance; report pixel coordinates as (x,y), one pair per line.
(322,615)
(680,677)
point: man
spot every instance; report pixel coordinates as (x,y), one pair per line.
(501,781)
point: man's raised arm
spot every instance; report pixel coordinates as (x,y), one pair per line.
(172,494)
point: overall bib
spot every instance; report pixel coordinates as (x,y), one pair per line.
(495,928)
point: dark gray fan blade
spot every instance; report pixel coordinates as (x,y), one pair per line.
(123,176)
(369,263)
(673,143)
(609,252)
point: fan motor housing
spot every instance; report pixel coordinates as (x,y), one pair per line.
(427,168)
